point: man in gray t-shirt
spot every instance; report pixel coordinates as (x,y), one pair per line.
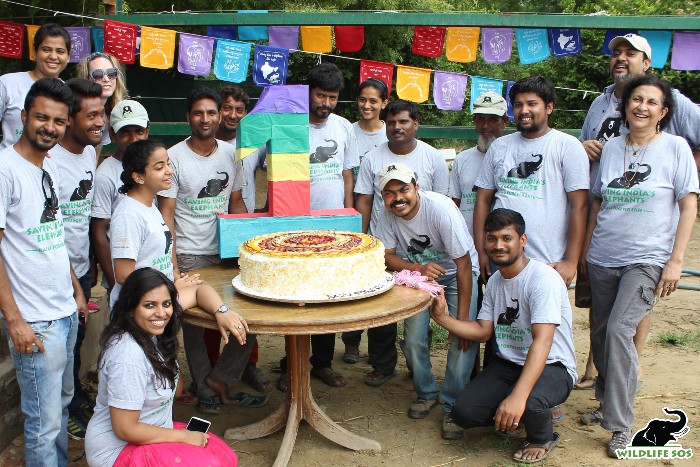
(527,309)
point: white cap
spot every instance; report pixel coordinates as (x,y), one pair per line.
(398,171)
(128,112)
(638,42)
(490,103)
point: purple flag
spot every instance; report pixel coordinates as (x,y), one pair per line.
(510,104)
(195,54)
(270,65)
(284,37)
(610,34)
(80,43)
(496,44)
(686,46)
(449,90)
(283,99)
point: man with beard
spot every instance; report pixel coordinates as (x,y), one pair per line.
(490,119)
(206,181)
(428,227)
(76,160)
(40,295)
(527,309)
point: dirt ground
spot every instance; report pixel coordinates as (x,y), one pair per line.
(670,380)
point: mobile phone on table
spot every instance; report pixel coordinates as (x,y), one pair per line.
(198,424)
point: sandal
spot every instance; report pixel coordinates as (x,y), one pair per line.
(256,379)
(186,398)
(548,446)
(209,405)
(243,399)
(586,382)
(378,378)
(283,382)
(329,376)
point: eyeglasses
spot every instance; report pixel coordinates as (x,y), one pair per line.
(98,75)
(51,200)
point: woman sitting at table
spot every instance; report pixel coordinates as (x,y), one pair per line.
(138,373)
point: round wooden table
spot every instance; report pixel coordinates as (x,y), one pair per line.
(297,324)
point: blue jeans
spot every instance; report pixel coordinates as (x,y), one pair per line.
(459,363)
(46,388)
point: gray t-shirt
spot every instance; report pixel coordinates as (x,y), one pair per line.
(537,295)
(107,184)
(13,90)
(77,172)
(533,177)
(333,149)
(465,169)
(437,234)
(105,132)
(367,141)
(664,174)
(202,187)
(140,233)
(126,381)
(251,164)
(33,246)
(425,160)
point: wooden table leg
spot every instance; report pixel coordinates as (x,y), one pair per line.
(299,404)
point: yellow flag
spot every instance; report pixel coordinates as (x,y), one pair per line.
(316,39)
(31,32)
(462,44)
(157,47)
(412,84)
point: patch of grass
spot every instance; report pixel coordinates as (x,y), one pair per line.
(501,444)
(689,339)
(440,335)
(470,449)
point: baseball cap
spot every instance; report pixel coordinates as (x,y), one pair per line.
(490,103)
(638,42)
(128,112)
(398,171)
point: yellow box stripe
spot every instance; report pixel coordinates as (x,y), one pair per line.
(242,153)
(288,167)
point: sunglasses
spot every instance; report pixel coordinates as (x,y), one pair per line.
(51,200)
(98,75)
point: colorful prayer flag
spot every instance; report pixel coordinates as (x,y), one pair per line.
(379,70)
(316,39)
(222,32)
(157,48)
(462,44)
(79,43)
(270,65)
(252,33)
(31,32)
(11,39)
(565,41)
(120,40)
(686,48)
(349,38)
(610,34)
(496,44)
(510,104)
(660,42)
(232,58)
(285,37)
(195,54)
(481,85)
(428,41)
(412,84)
(98,39)
(449,90)
(533,45)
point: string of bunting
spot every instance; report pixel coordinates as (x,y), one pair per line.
(225,49)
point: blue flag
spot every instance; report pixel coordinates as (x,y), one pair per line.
(252,33)
(481,85)
(98,39)
(270,65)
(610,34)
(565,41)
(533,45)
(232,58)
(222,32)
(510,104)
(660,42)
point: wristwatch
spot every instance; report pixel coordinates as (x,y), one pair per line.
(222,309)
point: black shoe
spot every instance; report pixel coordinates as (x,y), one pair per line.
(76,428)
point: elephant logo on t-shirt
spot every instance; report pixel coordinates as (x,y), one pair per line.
(84,187)
(526,168)
(609,129)
(511,314)
(631,177)
(214,186)
(419,246)
(323,153)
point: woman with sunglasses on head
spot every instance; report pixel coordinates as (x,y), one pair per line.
(52,51)
(138,374)
(105,70)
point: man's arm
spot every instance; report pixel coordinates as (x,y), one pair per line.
(696,156)
(236,205)
(671,274)
(348,186)
(396,263)
(21,334)
(464,293)
(511,410)
(576,232)
(475,331)
(79,296)
(484,201)
(166,206)
(101,247)
(363,204)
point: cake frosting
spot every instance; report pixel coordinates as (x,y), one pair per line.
(312,263)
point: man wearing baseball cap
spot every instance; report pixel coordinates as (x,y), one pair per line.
(129,123)
(428,227)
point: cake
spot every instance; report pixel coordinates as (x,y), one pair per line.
(313,263)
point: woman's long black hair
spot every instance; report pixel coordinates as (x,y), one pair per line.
(163,353)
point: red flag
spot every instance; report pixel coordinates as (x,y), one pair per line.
(349,38)
(120,40)
(428,40)
(11,39)
(379,70)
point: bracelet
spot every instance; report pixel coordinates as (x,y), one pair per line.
(416,267)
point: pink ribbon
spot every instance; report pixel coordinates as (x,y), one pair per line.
(415,280)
